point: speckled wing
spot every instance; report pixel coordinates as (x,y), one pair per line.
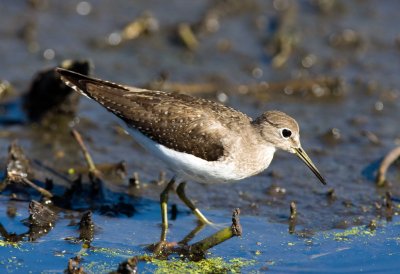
(177,121)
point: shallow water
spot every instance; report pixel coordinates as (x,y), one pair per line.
(346,134)
(264,245)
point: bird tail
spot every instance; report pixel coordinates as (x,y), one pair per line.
(82,83)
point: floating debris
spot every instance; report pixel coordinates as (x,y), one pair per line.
(19,172)
(292,217)
(119,169)
(40,215)
(331,194)
(293,211)
(48,96)
(144,24)
(388,204)
(86,231)
(134,181)
(6,89)
(161,178)
(236,227)
(372,225)
(275,191)
(74,267)
(187,37)
(11,238)
(41,220)
(128,267)
(11,211)
(86,228)
(18,165)
(346,39)
(372,137)
(332,137)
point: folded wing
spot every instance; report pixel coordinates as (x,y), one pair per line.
(179,122)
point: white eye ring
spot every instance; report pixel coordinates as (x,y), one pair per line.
(286,133)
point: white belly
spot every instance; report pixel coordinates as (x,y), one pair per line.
(188,166)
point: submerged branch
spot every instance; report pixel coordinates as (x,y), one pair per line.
(220,236)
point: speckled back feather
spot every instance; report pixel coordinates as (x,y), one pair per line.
(177,121)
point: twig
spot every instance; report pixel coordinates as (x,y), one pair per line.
(41,190)
(187,36)
(387,161)
(88,158)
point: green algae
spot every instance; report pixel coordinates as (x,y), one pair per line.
(211,265)
(98,267)
(357,231)
(114,252)
(16,245)
(8,244)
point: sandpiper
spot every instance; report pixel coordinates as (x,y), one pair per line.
(200,140)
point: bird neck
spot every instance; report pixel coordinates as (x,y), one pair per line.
(263,129)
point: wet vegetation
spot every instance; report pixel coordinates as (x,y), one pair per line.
(78,195)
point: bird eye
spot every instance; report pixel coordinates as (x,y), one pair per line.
(286,133)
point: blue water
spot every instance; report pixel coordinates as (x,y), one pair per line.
(268,244)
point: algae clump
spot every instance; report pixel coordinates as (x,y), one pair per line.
(212,265)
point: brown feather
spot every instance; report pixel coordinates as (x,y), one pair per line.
(177,121)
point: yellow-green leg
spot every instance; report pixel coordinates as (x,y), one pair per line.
(182,195)
(164,208)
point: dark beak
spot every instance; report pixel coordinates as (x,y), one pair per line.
(304,157)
